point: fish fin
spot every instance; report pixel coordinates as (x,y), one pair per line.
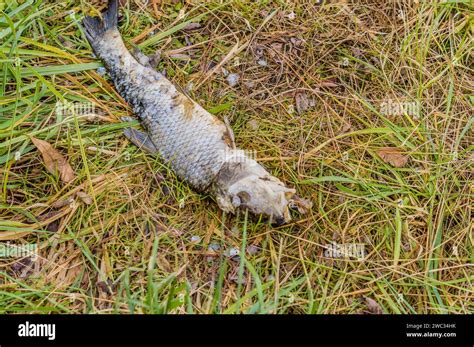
(229,136)
(95,27)
(140,139)
(141,57)
(127,119)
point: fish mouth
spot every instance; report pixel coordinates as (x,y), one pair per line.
(279,221)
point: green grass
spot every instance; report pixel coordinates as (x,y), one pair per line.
(133,249)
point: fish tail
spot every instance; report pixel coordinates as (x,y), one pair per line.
(95,27)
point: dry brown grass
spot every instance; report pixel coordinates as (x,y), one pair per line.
(312,83)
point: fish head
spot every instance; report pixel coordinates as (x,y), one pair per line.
(264,195)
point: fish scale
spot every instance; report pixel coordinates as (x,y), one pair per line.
(191,144)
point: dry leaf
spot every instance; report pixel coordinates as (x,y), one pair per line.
(65,43)
(303,102)
(86,199)
(297,42)
(54,161)
(302,205)
(192,26)
(328,84)
(105,287)
(392,155)
(373,306)
(249,84)
(63,202)
(345,128)
(163,264)
(357,52)
(276,51)
(253,124)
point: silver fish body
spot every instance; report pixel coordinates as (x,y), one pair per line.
(195,143)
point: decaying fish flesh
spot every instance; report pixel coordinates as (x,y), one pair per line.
(196,144)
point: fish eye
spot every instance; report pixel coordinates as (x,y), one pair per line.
(244,197)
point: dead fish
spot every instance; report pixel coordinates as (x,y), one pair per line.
(197,145)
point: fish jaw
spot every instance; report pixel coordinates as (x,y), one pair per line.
(247,185)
